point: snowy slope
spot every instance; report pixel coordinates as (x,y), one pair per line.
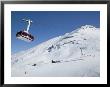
(74,54)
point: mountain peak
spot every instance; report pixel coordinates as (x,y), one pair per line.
(76,53)
(87,26)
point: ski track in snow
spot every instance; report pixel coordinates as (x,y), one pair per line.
(75,54)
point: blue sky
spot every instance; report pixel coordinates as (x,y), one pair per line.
(48,24)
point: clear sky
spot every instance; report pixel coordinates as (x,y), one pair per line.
(48,24)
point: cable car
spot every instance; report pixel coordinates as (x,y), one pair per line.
(24,34)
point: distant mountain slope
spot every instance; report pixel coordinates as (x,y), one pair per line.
(74,54)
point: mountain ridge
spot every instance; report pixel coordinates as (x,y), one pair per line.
(77,46)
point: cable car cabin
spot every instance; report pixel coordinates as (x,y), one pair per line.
(23,35)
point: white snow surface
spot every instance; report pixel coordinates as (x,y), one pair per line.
(75,54)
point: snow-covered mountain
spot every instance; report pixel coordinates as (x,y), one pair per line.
(75,54)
